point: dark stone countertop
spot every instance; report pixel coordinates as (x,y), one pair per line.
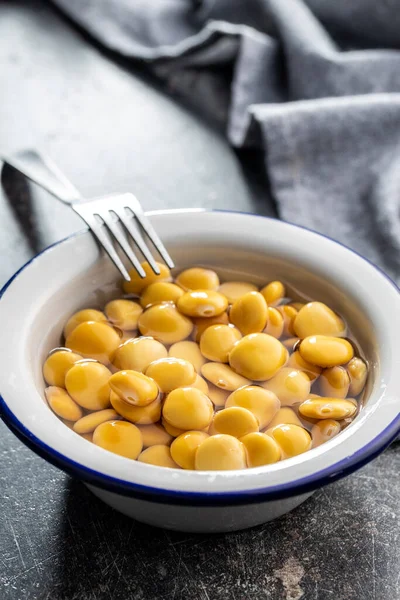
(111,129)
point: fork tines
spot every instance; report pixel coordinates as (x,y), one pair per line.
(118,217)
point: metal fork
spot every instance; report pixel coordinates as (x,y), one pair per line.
(110,218)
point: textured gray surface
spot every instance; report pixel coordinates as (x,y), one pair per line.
(110,129)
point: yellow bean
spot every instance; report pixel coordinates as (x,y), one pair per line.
(89,423)
(220,453)
(274,292)
(87,436)
(154,435)
(62,404)
(159,455)
(233,290)
(323,431)
(134,387)
(261,449)
(291,439)
(201,384)
(202,303)
(289,314)
(188,408)
(284,416)
(297,362)
(262,403)
(218,340)
(141,415)
(257,356)
(137,354)
(123,314)
(188,351)
(223,376)
(249,313)
(171,373)
(119,437)
(202,323)
(235,420)
(87,314)
(161,291)
(94,340)
(316,318)
(289,385)
(326,351)
(328,408)
(217,395)
(87,384)
(274,323)
(165,323)
(57,365)
(197,278)
(184,448)
(334,382)
(137,284)
(358,372)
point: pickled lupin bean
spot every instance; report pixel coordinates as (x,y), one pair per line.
(141,415)
(62,404)
(171,373)
(217,341)
(202,323)
(160,291)
(273,293)
(88,423)
(123,313)
(292,439)
(275,323)
(289,313)
(165,323)
(188,351)
(328,408)
(284,416)
(262,403)
(324,431)
(94,340)
(188,408)
(57,365)
(87,384)
(223,376)
(159,456)
(316,318)
(154,435)
(261,449)
(358,372)
(249,313)
(297,362)
(202,303)
(119,437)
(334,382)
(87,314)
(184,447)
(134,387)
(197,278)
(220,453)
(289,385)
(233,290)
(137,354)
(257,356)
(325,351)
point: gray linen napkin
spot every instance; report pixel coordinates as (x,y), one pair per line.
(315,84)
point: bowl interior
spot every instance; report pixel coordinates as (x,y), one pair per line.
(74,274)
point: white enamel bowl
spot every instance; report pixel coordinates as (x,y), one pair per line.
(73,274)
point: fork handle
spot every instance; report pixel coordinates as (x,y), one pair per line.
(40,169)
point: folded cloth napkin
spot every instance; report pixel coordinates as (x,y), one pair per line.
(315,84)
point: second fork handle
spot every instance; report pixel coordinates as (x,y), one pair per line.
(44,172)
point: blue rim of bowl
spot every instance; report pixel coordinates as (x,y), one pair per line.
(297,487)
